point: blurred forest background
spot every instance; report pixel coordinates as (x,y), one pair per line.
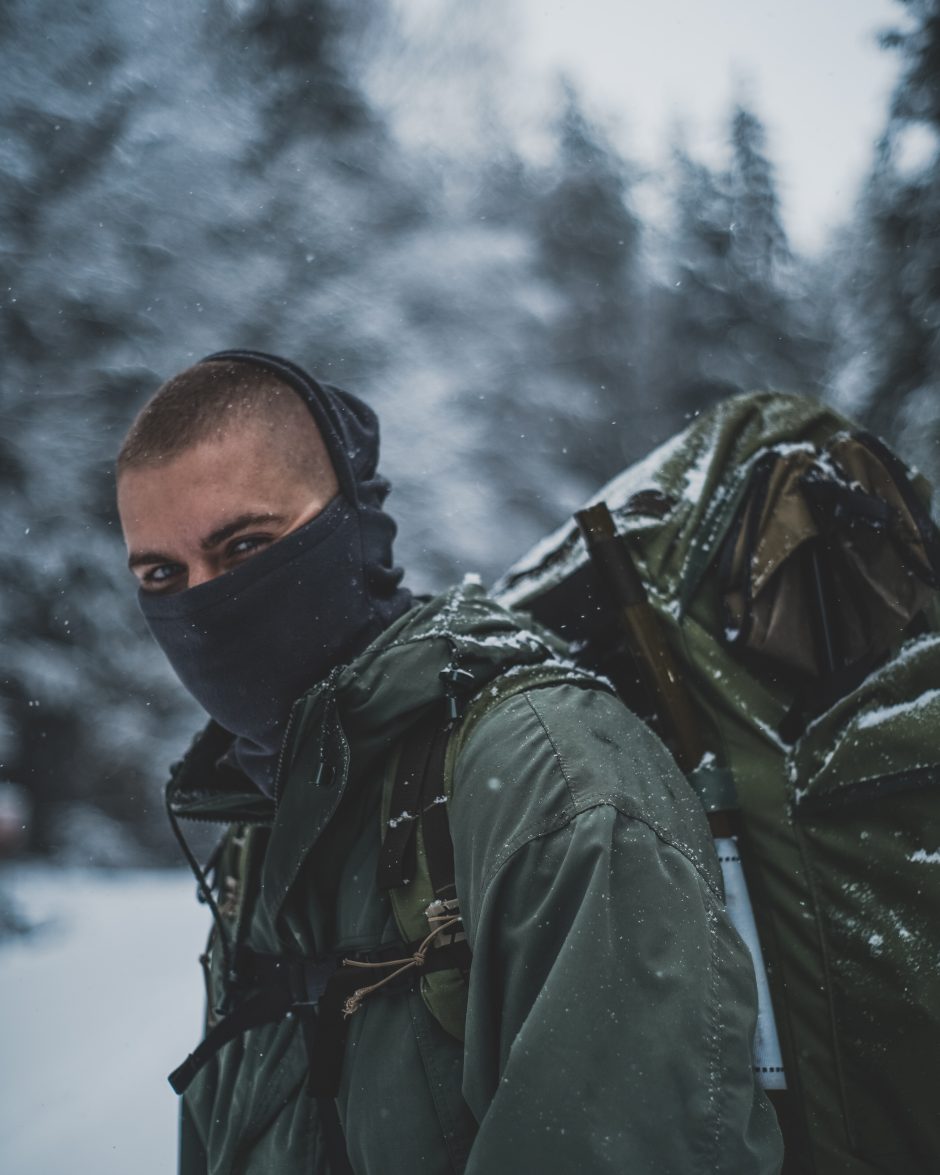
(180,178)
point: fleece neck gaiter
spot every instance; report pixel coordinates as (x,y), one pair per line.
(248,643)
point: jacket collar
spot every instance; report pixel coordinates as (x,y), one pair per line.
(436,656)
(439,653)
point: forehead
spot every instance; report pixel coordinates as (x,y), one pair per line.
(239,470)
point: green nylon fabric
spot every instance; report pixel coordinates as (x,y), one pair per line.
(846,889)
(445,992)
(611,1005)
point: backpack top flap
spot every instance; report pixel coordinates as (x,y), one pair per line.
(829,558)
(677,503)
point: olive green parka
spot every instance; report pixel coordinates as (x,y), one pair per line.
(611,1004)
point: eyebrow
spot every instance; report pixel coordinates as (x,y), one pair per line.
(237,524)
(141,558)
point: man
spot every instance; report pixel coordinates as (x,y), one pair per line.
(609,1005)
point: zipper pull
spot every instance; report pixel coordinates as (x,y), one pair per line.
(453,678)
(326,774)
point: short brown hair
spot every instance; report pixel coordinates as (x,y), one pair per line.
(207,400)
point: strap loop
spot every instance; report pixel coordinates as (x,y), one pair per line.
(418,961)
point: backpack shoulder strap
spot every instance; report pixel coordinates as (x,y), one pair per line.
(419,767)
(416,860)
(416,866)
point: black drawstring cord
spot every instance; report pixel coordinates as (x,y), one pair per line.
(205,892)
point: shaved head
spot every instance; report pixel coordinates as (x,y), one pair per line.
(210,401)
(224,460)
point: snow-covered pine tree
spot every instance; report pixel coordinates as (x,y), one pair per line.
(734,314)
(588,240)
(887,368)
(687,366)
(70,246)
(778,323)
(138,236)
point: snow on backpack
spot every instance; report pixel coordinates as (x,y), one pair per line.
(789,566)
(793,568)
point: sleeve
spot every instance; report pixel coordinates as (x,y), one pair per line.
(612,1005)
(192,1152)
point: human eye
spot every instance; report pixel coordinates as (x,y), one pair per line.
(245,546)
(161,578)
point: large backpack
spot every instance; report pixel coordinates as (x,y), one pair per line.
(793,566)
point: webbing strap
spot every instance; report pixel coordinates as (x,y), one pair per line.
(715,787)
(282,984)
(333,1138)
(435,824)
(321,1014)
(325,1028)
(266,1007)
(449,957)
(398,858)
(750,513)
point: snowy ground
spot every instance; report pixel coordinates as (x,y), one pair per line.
(95,1009)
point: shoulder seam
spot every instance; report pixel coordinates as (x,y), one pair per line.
(564,818)
(713,1109)
(551,742)
(585,803)
(625,809)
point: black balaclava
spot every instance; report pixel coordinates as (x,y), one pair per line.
(248,643)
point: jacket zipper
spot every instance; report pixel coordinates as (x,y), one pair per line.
(328,697)
(279,770)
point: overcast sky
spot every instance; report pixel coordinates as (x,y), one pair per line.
(812,69)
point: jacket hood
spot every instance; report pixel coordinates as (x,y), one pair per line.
(350,430)
(349,427)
